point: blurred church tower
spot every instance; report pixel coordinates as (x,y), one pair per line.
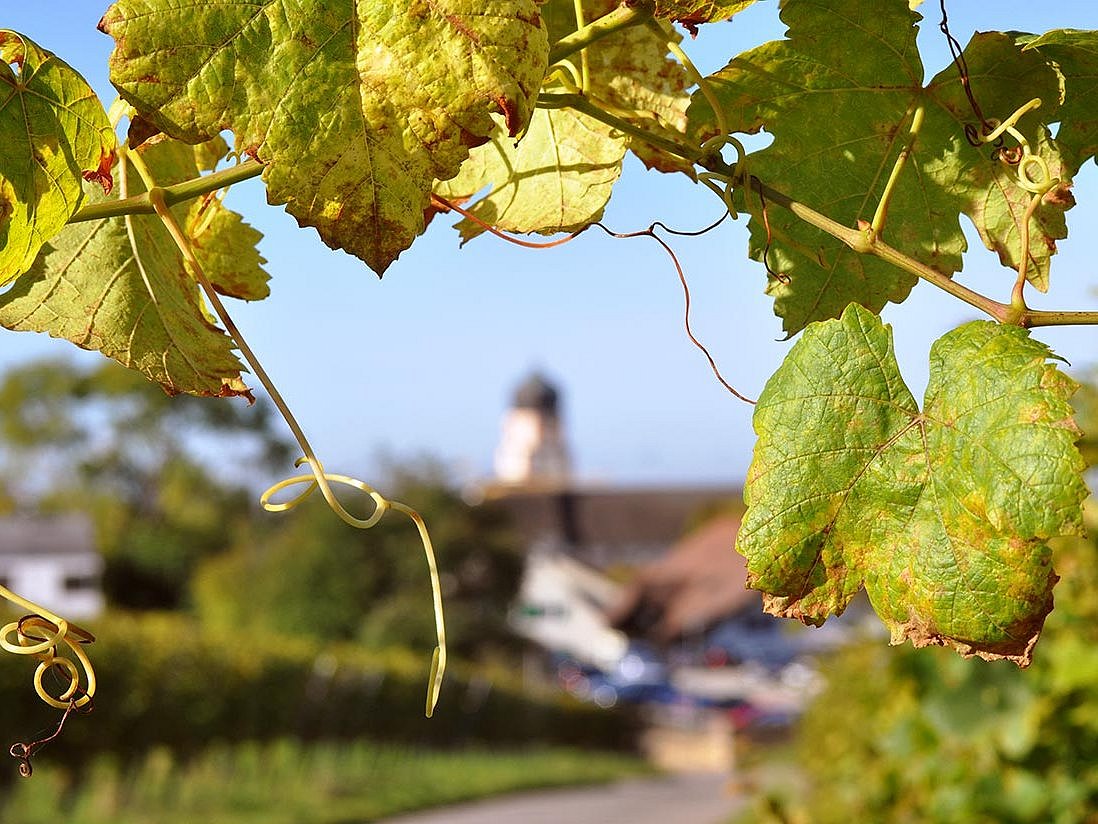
(531,449)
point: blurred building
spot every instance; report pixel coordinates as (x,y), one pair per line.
(53,562)
(583,539)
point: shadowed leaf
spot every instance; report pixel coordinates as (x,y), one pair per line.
(839,97)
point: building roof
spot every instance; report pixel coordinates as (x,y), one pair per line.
(538,394)
(605,527)
(26,535)
(701,581)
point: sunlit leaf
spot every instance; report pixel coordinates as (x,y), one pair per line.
(558,179)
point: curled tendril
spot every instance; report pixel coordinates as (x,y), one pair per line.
(565,71)
(23,751)
(720,184)
(1033,173)
(319,479)
(39,634)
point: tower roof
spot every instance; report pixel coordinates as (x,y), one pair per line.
(537,393)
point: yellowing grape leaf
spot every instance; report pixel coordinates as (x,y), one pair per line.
(119,285)
(942,514)
(53,133)
(1074,55)
(558,179)
(355,107)
(839,97)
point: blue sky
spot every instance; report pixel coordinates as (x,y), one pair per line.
(424,361)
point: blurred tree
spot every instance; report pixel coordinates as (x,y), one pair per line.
(315,576)
(109,443)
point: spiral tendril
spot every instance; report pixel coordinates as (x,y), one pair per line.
(38,635)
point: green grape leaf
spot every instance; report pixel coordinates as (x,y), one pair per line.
(1074,55)
(558,178)
(631,73)
(944,514)
(55,133)
(691,13)
(119,286)
(839,96)
(355,107)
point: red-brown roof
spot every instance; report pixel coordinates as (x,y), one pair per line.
(699,582)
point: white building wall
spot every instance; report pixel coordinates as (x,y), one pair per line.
(67,583)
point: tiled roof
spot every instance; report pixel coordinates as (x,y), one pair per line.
(607,526)
(699,582)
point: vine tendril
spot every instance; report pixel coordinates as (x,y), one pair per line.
(442,202)
(38,634)
(23,751)
(317,478)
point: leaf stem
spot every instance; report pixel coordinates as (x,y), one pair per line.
(864,241)
(881,214)
(187,190)
(620,18)
(585,69)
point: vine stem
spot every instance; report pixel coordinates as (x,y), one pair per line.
(318,478)
(664,31)
(620,18)
(861,240)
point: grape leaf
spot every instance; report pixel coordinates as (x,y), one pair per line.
(54,132)
(630,70)
(119,286)
(558,179)
(839,97)
(943,515)
(355,107)
(1075,57)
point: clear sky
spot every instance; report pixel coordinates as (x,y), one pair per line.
(424,361)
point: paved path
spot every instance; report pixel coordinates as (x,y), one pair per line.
(673,799)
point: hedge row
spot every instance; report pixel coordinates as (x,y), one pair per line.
(163,681)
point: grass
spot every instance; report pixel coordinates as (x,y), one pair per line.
(288,783)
